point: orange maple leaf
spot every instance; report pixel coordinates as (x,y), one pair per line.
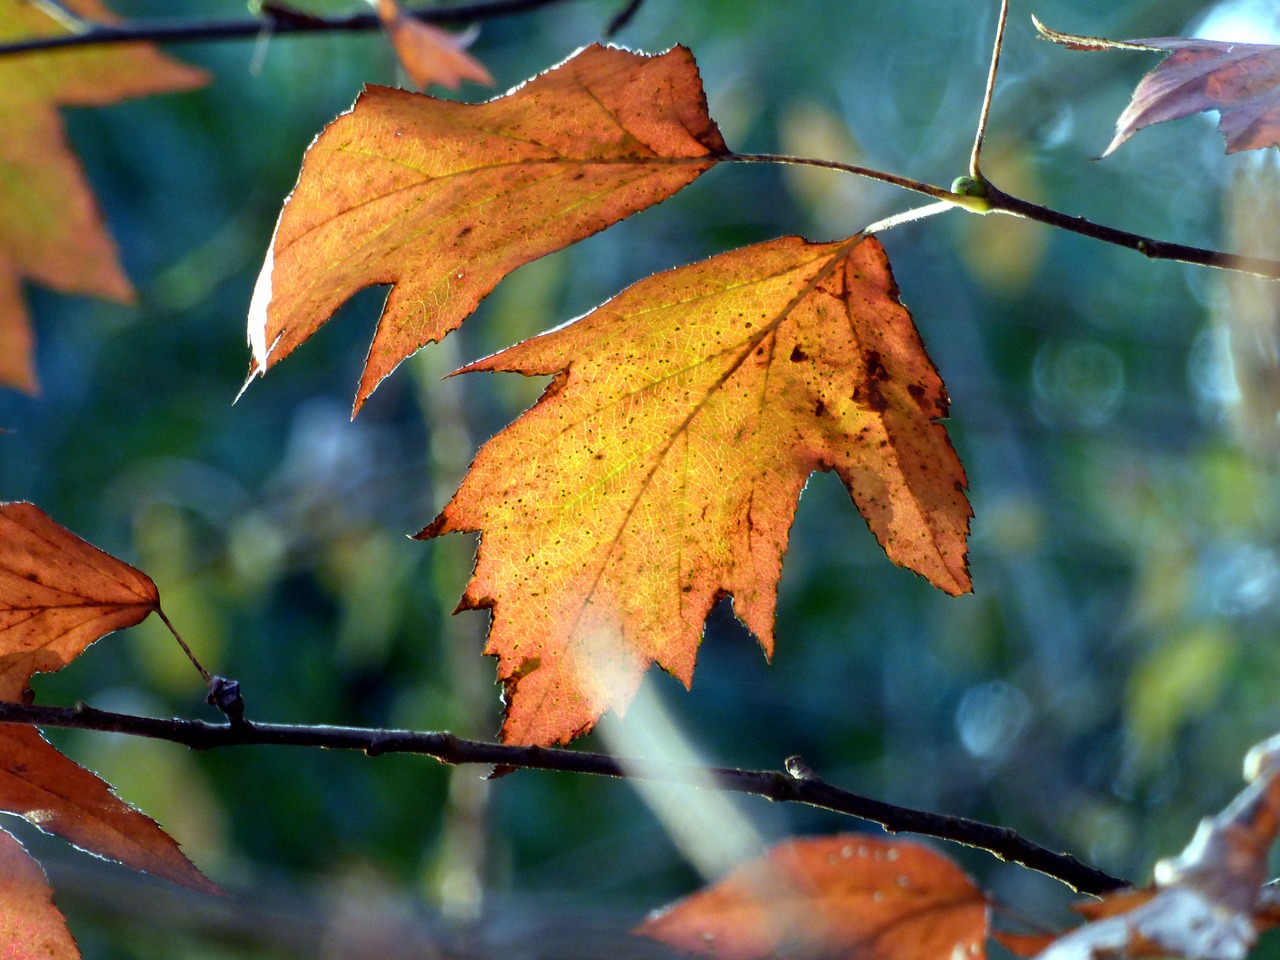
(31,928)
(444,199)
(1239,80)
(660,471)
(58,594)
(427,53)
(829,898)
(51,230)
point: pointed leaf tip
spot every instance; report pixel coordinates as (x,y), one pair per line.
(58,594)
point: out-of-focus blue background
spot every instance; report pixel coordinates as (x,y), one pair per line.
(1117,419)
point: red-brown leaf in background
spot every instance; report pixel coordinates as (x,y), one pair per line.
(1023,944)
(847,897)
(427,53)
(31,928)
(444,199)
(661,469)
(50,227)
(1239,80)
(58,594)
(1209,902)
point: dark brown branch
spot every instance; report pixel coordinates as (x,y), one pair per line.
(986,198)
(798,784)
(622,17)
(273,21)
(1149,247)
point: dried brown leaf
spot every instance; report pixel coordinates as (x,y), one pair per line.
(1239,80)
(427,53)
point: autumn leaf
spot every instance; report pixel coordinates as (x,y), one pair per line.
(1023,944)
(1239,80)
(31,928)
(1207,903)
(829,898)
(427,53)
(444,199)
(51,231)
(660,471)
(58,594)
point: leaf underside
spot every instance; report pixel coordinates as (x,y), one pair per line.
(1239,80)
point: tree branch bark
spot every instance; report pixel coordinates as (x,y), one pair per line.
(274,21)
(797,784)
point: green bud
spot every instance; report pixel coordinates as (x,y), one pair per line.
(969,187)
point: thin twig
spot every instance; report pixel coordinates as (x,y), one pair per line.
(1149,247)
(992,200)
(622,17)
(975,169)
(186,31)
(798,785)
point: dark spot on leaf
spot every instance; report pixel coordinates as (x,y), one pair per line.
(868,393)
(819,409)
(526,667)
(915,390)
(798,355)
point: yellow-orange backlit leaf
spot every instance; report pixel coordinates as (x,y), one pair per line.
(31,928)
(58,594)
(834,898)
(427,53)
(661,469)
(444,199)
(51,230)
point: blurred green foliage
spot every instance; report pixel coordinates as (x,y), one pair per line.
(1096,692)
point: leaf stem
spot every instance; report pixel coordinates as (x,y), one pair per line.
(276,23)
(871,173)
(204,674)
(975,169)
(798,785)
(908,216)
